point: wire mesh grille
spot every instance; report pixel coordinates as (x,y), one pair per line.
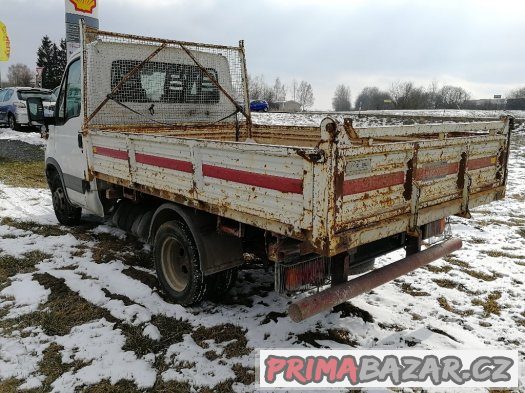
(308,273)
(131,80)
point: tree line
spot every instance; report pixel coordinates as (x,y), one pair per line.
(402,95)
(301,92)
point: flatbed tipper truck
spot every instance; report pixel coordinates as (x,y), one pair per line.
(158,135)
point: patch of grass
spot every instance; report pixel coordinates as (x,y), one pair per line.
(144,277)
(410,290)
(10,385)
(340,336)
(30,226)
(51,366)
(490,304)
(9,265)
(244,375)
(444,304)
(447,283)
(172,331)
(64,308)
(455,261)
(224,333)
(482,276)
(438,269)
(105,386)
(502,254)
(23,174)
(347,309)
(443,333)
(273,316)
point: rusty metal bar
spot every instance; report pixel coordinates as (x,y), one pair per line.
(124,79)
(309,306)
(94,31)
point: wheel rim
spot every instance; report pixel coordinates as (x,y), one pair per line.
(59,199)
(175,263)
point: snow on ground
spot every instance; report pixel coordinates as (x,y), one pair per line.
(24,136)
(373,117)
(95,303)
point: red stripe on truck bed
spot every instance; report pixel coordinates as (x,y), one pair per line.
(369,183)
(113,153)
(278,183)
(435,171)
(482,162)
(163,162)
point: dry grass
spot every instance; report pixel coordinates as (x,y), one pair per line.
(37,229)
(410,290)
(340,336)
(9,265)
(227,332)
(23,174)
(444,304)
(490,304)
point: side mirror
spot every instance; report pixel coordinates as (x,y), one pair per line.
(35,110)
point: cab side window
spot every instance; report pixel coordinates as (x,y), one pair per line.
(2,95)
(69,100)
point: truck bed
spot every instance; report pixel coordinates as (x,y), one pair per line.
(334,187)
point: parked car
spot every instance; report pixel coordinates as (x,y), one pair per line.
(13,106)
(259,106)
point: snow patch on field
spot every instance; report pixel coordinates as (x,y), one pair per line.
(26,295)
(99,346)
(32,138)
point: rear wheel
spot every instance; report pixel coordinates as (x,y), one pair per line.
(13,124)
(65,212)
(177,263)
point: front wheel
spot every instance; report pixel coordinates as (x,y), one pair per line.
(65,212)
(177,263)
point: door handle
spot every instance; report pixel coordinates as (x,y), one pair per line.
(80,144)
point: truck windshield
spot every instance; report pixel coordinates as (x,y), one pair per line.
(164,82)
(45,95)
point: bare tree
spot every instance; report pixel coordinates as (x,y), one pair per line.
(256,86)
(305,95)
(279,90)
(451,97)
(293,89)
(342,101)
(19,75)
(517,93)
(373,98)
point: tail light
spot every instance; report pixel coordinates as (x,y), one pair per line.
(302,275)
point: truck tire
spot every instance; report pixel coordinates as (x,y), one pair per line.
(219,284)
(65,212)
(177,263)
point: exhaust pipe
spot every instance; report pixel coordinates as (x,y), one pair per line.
(314,304)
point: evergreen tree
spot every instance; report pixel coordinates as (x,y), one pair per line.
(52,58)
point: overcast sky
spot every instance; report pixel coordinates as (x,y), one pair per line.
(478,44)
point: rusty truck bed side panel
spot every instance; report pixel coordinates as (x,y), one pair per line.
(354,187)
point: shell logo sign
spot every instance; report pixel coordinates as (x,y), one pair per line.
(5,46)
(85,6)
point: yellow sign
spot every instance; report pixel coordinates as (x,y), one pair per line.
(5,46)
(84,6)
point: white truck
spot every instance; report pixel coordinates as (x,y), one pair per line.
(157,134)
